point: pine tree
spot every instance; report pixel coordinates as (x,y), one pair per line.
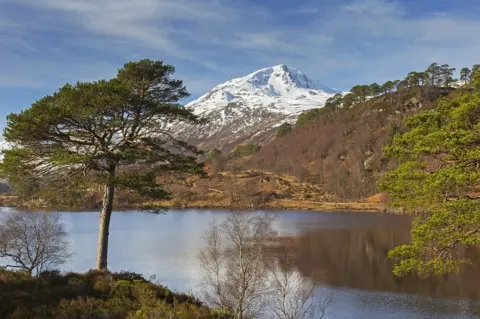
(447,215)
(361,92)
(387,87)
(465,75)
(402,85)
(412,79)
(446,74)
(334,102)
(375,89)
(475,72)
(423,78)
(433,73)
(475,68)
(284,129)
(88,134)
(395,84)
(348,100)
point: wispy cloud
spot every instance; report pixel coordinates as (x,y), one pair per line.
(353,41)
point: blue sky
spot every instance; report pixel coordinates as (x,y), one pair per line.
(45,43)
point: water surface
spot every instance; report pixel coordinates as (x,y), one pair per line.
(348,249)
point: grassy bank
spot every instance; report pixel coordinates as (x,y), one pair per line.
(94,295)
(281,205)
(202,204)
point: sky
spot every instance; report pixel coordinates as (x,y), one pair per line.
(47,43)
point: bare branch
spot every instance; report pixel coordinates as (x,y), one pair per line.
(239,275)
(33,240)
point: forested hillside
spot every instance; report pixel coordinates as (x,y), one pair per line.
(342,150)
(340,146)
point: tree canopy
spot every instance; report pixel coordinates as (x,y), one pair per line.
(243,150)
(89,133)
(334,102)
(437,180)
(284,129)
(310,115)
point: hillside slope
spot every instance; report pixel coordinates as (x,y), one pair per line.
(342,151)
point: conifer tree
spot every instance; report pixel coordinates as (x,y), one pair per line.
(348,100)
(387,87)
(412,79)
(433,72)
(334,102)
(114,134)
(475,72)
(284,129)
(437,181)
(446,74)
(361,92)
(395,84)
(375,89)
(465,75)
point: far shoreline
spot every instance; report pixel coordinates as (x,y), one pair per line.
(8,201)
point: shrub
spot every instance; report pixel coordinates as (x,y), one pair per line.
(243,150)
(94,295)
(212,154)
(217,159)
(310,115)
(284,129)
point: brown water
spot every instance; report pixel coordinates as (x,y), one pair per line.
(345,250)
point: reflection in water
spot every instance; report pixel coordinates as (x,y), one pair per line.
(357,258)
(349,249)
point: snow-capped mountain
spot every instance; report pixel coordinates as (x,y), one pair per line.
(247,108)
(3,146)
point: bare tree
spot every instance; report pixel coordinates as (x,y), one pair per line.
(320,305)
(292,296)
(235,276)
(242,274)
(33,241)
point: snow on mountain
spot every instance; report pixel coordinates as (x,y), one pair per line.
(244,108)
(279,88)
(3,146)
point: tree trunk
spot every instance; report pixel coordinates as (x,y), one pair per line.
(102,252)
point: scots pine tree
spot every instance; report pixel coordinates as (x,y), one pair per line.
(437,181)
(465,75)
(113,134)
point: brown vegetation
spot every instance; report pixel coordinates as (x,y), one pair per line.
(342,151)
(7,200)
(243,189)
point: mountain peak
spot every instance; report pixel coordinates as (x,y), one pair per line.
(283,75)
(280,88)
(249,107)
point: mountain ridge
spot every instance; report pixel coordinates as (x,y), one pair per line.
(251,107)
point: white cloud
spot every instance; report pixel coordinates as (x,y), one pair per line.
(148,23)
(211,40)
